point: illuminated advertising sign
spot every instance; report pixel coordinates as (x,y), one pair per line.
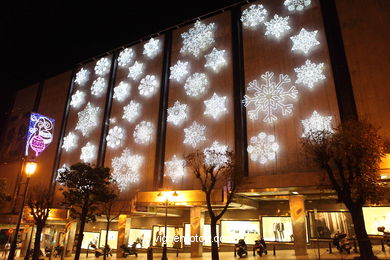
(40,133)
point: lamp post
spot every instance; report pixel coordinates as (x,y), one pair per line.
(166,201)
(29,169)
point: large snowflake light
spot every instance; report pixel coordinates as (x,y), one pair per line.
(78,99)
(175,168)
(309,73)
(194,134)
(216,155)
(196,84)
(215,59)
(132,111)
(98,87)
(88,153)
(70,142)
(304,41)
(277,26)
(148,86)
(316,123)
(82,77)
(143,132)
(87,119)
(215,106)
(179,70)
(102,66)
(298,5)
(136,70)
(125,168)
(122,91)
(253,15)
(115,137)
(125,57)
(198,38)
(263,148)
(270,97)
(151,48)
(177,113)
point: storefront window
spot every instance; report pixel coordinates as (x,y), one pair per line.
(90,238)
(140,236)
(206,234)
(277,229)
(174,236)
(326,224)
(232,231)
(112,238)
(375,217)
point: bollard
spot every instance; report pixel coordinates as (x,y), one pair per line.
(150,253)
(254,251)
(177,252)
(383,245)
(235,253)
(274,249)
(330,247)
(354,246)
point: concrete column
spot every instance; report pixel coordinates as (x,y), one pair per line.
(70,236)
(26,237)
(124,224)
(298,219)
(197,226)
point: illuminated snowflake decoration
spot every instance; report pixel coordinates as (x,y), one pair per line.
(148,86)
(269,97)
(198,38)
(317,123)
(78,99)
(298,5)
(82,77)
(115,137)
(253,15)
(151,48)
(309,73)
(70,142)
(179,70)
(175,168)
(196,84)
(65,167)
(136,70)
(304,41)
(122,91)
(277,26)
(98,87)
(216,155)
(125,168)
(87,119)
(215,59)
(132,111)
(177,113)
(215,106)
(143,132)
(125,57)
(194,134)
(88,153)
(102,66)
(263,148)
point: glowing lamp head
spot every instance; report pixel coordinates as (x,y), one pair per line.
(30,168)
(167,196)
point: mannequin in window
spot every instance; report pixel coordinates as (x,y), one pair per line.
(275,229)
(159,237)
(280,228)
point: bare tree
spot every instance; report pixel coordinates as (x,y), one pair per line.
(351,156)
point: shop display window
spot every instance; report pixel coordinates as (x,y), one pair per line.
(278,228)
(90,238)
(174,236)
(140,236)
(112,238)
(206,234)
(375,217)
(232,231)
(325,224)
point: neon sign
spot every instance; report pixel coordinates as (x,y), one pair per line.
(40,133)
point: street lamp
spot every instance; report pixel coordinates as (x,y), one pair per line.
(29,169)
(165,197)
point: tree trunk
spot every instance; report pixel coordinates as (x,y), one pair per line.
(80,236)
(106,243)
(214,239)
(37,241)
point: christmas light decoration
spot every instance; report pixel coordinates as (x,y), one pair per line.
(196,84)
(277,26)
(309,73)
(151,48)
(132,111)
(102,66)
(87,119)
(88,153)
(70,142)
(122,91)
(175,169)
(98,87)
(40,133)
(253,15)
(82,77)
(298,5)
(143,132)
(198,38)
(317,123)
(263,148)
(62,169)
(215,59)
(136,70)
(177,113)
(215,106)
(115,137)
(148,86)
(304,41)
(125,168)
(125,57)
(179,70)
(216,155)
(270,97)
(194,134)
(78,99)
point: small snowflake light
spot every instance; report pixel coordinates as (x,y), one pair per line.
(215,106)
(253,15)
(277,26)
(216,155)
(88,153)
(215,59)
(177,113)
(102,66)
(70,142)
(136,70)
(194,134)
(179,70)
(198,38)
(304,41)
(78,99)
(98,87)
(175,169)
(125,57)
(87,119)
(148,86)
(298,5)
(317,123)
(309,73)
(125,168)
(143,132)
(263,148)
(151,48)
(132,111)
(115,137)
(122,91)
(196,84)
(270,97)
(82,77)
(65,167)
